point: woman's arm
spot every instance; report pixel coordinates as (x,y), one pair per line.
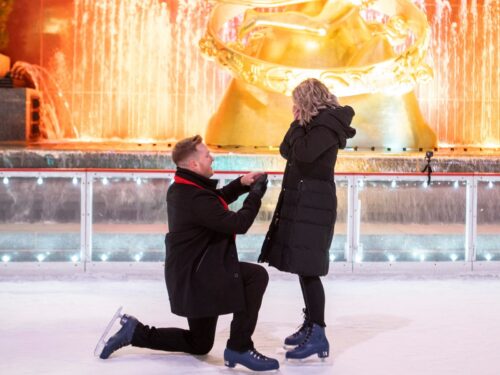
(317,140)
(294,132)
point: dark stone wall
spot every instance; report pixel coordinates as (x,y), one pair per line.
(12,114)
(19,114)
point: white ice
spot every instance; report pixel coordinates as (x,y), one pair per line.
(376,325)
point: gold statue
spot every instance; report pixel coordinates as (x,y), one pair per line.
(369,52)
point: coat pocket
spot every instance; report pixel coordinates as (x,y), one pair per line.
(314,217)
(316,202)
(202,258)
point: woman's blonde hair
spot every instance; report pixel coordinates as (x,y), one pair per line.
(309,97)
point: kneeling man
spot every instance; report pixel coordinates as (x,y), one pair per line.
(204,277)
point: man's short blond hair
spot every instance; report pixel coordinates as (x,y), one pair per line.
(185,148)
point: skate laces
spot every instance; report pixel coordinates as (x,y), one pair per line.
(300,329)
(254,353)
(308,335)
(303,326)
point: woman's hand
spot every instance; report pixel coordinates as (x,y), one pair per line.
(250,178)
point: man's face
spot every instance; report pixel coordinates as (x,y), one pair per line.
(203,161)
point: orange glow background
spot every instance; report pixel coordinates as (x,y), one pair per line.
(169,90)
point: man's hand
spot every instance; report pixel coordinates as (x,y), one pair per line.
(250,178)
(260,185)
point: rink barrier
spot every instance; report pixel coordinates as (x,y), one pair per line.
(346,261)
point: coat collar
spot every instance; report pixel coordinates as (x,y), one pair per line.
(204,182)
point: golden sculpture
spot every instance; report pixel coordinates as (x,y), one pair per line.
(372,65)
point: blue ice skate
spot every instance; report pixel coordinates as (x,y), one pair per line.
(314,343)
(121,338)
(251,359)
(297,337)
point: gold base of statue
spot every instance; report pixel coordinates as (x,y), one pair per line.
(251,117)
(389,121)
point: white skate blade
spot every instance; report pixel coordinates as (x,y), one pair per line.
(103,338)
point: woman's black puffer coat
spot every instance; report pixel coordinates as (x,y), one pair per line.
(301,231)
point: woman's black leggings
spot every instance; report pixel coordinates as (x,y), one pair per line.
(314,299)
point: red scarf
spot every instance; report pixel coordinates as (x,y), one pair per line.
(180,180)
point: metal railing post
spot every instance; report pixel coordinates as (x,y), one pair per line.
(83,220)
(89,181)
(352,219)
(471,219)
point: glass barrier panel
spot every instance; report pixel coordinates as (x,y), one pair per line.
(129,219)
(410,221)
(339,242)
(488,221)
(40,219)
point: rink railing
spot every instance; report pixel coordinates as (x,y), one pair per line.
(90,217)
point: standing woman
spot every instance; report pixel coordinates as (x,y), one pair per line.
(301,231)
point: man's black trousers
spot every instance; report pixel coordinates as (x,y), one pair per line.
(199,339)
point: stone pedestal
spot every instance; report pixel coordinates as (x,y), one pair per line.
(20,114)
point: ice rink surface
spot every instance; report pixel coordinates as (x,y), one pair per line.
(376,325)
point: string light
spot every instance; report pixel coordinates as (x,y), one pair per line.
(75,181)
(5,180)
(105,181)
(39,181)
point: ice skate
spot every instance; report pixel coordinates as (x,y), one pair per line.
(105,347)
(251,359)
(314,343)
(103,338)
(297,337)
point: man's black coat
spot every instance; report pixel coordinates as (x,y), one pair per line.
(202,270)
